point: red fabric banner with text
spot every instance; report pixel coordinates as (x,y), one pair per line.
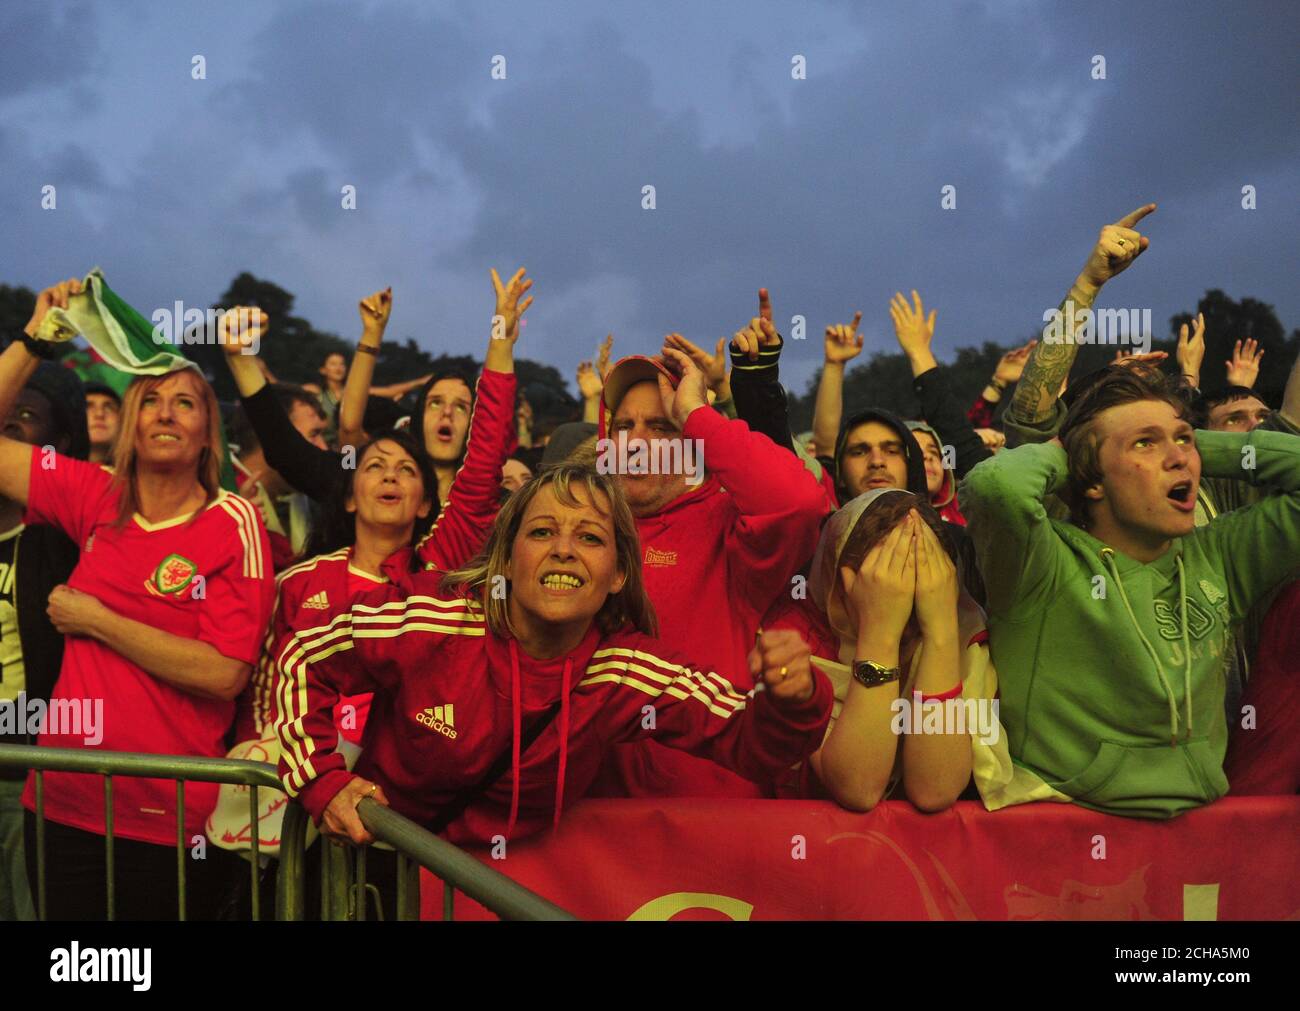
(778,860)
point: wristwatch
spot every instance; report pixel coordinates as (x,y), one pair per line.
(869,674)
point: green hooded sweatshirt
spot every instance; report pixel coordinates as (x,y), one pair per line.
(1111,670)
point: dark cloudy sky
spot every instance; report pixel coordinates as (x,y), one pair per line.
(826,190)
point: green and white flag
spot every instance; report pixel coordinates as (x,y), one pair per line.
(120,335)
(123,338)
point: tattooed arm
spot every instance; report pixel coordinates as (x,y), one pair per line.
(1117,246)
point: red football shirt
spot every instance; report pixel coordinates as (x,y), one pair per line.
(206,576)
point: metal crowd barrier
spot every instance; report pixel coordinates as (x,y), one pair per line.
(457,869)
(344,888)
(181,768)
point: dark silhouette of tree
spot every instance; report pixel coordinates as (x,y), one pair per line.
(1227,322)
(294,350)
(885,380)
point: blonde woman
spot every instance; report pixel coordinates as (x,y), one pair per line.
(163,616)
(535,659)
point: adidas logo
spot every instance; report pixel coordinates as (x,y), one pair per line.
(317,601)
(439,718)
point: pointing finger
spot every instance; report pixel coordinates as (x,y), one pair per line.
(1133,217)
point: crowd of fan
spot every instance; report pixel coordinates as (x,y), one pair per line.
(478,627)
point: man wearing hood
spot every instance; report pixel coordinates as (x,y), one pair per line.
(876,449)
(719,547)
(940,482)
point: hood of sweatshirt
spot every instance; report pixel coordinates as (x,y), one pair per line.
(948,489)
(911,450)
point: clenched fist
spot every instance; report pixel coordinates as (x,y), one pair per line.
(242,329)
(781,660)
(73,612)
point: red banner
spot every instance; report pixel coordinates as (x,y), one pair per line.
(1237,859)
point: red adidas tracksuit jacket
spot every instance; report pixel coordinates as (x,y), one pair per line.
(450,697)
(307,593)
(714,561)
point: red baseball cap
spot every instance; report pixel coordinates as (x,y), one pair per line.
(625,374)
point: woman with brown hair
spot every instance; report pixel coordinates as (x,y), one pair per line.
(163,617)
(499,687)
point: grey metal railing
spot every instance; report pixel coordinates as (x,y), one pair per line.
(344,887)
(458,870)
(181,768)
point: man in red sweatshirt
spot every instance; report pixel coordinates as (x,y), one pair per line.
(719,546)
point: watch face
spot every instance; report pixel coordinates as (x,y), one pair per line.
(871,674)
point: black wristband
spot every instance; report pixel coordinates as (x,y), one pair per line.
(45,350)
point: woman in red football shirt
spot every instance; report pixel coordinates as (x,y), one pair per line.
(163,616)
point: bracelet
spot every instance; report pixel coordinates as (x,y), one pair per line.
(998,384)
(366,349)
(951,693)
(45,350)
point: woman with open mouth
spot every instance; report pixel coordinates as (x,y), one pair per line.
(502,685)
(376,523)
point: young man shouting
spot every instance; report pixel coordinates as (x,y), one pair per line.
(1111,632)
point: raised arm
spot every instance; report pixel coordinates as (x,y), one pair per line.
(17,364)
(780,504)
(843,343)
(466,518)
(590,386)
(756,377)
(1190,352)
(375,311)
(915,333)
(1290,409)
(1118,245)
(1007,373)
(1243,366)
(309,469)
